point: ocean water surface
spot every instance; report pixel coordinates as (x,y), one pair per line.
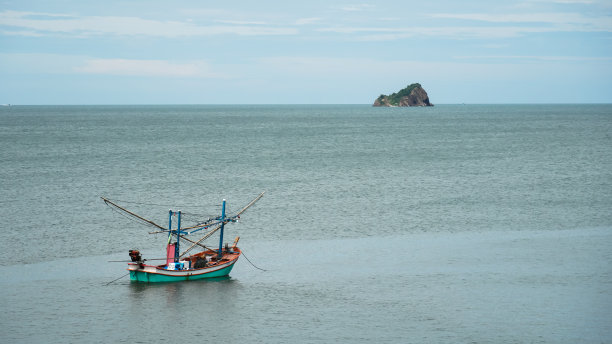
(456,223)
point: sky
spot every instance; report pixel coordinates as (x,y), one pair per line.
(304,52)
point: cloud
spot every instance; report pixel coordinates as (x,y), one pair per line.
(453,32)
(357,7)
(22,33)
(588,2)
(559,21)
(304,21)
(484,26)
(240,22)
(63,64)
(472,81)
(38,63)
(534,58)
(367,70)
(45,23)
(146,68)
(475,26)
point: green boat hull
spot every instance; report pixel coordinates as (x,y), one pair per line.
(142,276)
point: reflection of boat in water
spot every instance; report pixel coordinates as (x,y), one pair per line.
(209,263)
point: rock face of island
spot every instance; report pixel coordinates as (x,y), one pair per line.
(412,95)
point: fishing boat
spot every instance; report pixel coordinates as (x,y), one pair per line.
(178,266)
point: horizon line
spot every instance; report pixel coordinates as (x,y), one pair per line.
(8,105)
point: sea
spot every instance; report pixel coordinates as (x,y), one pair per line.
(446,224)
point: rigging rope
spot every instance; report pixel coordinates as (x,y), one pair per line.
(245,257)
(117,279)
(162,205)
(201,239)
(211,221)
(131,218)
(108,202)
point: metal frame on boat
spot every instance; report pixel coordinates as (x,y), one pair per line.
(179,267)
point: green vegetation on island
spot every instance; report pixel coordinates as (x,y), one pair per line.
(411,95)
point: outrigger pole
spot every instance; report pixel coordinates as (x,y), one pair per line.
(129,212)
(220,222)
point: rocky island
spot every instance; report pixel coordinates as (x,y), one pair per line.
(412,95)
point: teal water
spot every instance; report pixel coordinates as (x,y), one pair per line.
(457,223)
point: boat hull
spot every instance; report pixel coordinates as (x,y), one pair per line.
(152,274)
(153,277)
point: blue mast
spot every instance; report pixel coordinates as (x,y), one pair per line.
(222,225)
(178,232)
(169,226)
